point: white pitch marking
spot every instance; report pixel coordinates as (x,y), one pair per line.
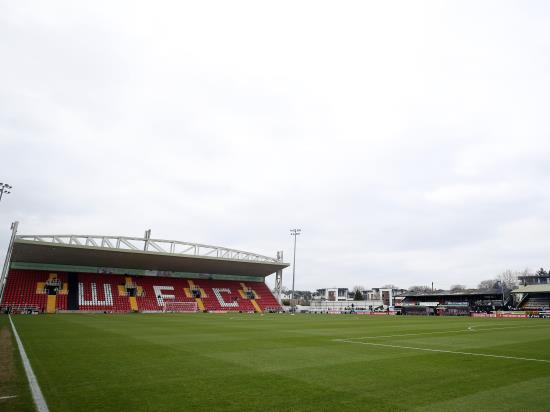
(33,383)
(406,334)
(474,327)
(469,329)
(445,351)
(7,397)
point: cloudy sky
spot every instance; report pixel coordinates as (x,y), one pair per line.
(410,141)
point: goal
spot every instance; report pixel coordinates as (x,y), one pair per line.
(170,306)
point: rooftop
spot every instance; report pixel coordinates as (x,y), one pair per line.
(533,289)
(141,253)
(466,292)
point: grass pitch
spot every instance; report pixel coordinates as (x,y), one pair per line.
(236,362)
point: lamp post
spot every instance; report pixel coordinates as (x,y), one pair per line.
(295,233)
(4,189)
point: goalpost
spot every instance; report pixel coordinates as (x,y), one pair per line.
(171,306)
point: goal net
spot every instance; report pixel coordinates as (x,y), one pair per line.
(180,306)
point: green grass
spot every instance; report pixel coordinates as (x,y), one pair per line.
(14,392)
(209,362)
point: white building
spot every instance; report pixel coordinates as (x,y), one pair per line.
(341,298)
(382,296)
(333,295)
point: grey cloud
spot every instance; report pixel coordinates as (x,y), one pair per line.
(410,144)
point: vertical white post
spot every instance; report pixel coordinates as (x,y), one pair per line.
(7,260)
(279,278)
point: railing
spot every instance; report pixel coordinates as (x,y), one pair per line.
(19,308)
(172,247)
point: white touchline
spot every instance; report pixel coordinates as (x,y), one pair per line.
(33,383)
(443,351)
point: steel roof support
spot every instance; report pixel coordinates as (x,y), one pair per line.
(147,244)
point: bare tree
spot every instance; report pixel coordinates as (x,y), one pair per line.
(509,279)
(456,288)
(488,284)
(358,288)
(525,272)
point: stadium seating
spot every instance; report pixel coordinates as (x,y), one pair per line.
(116,293)
(99,292)
(266,299)
(536,302)
(25,289)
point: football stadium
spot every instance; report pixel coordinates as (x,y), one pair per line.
(118,323)
(404,145)
(65,273)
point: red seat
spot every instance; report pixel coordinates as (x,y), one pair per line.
(100,292)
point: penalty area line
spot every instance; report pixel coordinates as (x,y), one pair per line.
(386,345)
(37,396)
